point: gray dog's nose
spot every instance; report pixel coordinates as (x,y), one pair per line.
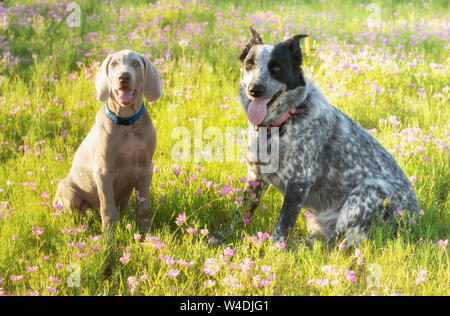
(124,77)
(256,90)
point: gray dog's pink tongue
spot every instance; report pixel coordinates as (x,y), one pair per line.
(125,95)
(257,110)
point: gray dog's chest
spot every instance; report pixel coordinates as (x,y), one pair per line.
(131,158)
(133,150)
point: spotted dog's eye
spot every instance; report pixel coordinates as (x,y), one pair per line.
(114,64)
(250,65)
(273,66)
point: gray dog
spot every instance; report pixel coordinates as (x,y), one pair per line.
(116,156)
(327,163)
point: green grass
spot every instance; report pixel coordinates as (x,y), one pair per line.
(349,62)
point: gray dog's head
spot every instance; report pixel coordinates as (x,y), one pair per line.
(125,76)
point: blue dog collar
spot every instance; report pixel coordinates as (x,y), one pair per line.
(124,120)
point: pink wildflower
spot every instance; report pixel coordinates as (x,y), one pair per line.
(191,230)
(209,283)
(231,282)
(210,267)
(55,280)
(132,282)
(322,283)
(44,195)
(181,219)
(229,252)
(51,289)
(173,273)
(247,265)
(31,269)
(350,275)
(176,170)
(95,249)
(137,236)
(125,258)
(16,277)
(204,232)
(421,276)
(329,269)
(420,280)
(37,230)
(442,244)
(167,259)
(183,263)
(393,120)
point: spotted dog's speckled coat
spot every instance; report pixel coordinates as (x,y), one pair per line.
(328,164)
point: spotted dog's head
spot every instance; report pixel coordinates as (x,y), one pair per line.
(269,71)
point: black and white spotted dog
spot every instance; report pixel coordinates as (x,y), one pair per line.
(328,163)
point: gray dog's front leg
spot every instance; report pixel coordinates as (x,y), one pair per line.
(143,208)
(108,209)
(294,196)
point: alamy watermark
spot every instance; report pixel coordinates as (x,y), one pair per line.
(74,279)
(374,19)
(74,18)
(232,144)
(373,279)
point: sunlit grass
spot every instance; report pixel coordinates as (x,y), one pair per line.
(392,79)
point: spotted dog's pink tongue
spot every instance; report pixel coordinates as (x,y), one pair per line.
(125,95)
(257,110)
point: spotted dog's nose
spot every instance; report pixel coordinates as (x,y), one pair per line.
(256,90)
(125,77)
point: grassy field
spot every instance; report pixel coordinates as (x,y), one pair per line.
(385,65)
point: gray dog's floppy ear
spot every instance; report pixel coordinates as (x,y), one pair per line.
(102,82)
(254,40)
(152,81)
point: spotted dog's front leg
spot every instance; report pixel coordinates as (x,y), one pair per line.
(255,188)
(294,196)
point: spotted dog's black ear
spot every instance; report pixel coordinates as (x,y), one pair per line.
(293,44)
(254,40)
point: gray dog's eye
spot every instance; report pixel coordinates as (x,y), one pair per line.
(136,64)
